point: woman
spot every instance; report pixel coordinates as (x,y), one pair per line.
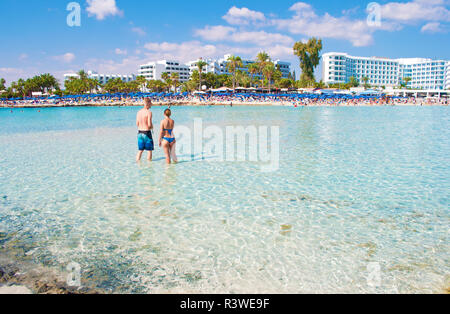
(166,137)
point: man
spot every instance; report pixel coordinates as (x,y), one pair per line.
(145,127)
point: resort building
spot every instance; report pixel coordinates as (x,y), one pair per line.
(219,66)
(423,73)
(102,78)
(447,76)
(154,70)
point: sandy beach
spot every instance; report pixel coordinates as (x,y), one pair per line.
(207,104)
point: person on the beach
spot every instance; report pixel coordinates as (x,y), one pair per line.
(145,127)
(166,137)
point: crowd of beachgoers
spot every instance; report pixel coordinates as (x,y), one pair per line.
(174,99)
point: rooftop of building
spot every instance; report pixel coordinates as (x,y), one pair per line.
(401,60)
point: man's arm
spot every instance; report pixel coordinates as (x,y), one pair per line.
(137,120)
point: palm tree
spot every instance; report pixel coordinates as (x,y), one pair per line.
(268,72)
(175,77)
(46,82)
(253,69)
(93,84)
(407,80)
(141,80)
(200,65)
(234,63)
(83,75)
(365,79)
(262,59)
(165,76)
(2,84)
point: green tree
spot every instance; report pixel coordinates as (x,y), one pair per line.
(320,84)
(224,80)
(166,77)
(262,59)
(175,78)
(242,79)
(74,86)
(46,82)
(268,72)
(32,85)
(82,75)
(285,83)
(189,86)
(353,82)
(2,84)
(93,84)
(115,85)
(365,79)
(407,80)
(253,69)
(278,75)
(81,84)
(18,88)
(210,80)
(309,55)
(234,63)
(141,81)
(155,85)
(200,65)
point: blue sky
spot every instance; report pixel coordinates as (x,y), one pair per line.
(116,36)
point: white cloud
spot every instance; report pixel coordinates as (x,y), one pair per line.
(67,57)
(23,57)
(11,71)
(12,74)
(307,22)
(433,27)
(119,51)
(243,16)
(225,33)
(215,33)
(102,8)
(138,31)
(185,51)
(418,10)
(261,37)
(128,65)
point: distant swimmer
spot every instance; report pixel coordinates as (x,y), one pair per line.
(145,127)
(166,137)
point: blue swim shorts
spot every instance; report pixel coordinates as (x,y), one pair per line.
(145,141)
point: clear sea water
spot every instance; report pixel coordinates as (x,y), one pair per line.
(358,189)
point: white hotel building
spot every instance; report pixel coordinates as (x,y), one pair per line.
(424,73)
(102,78)
(154,70)
(220,66)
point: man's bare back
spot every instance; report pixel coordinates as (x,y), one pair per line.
(144,120)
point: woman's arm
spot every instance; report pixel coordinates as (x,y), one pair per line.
(173,132)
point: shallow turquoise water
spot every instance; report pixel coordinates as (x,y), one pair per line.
(356,186)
